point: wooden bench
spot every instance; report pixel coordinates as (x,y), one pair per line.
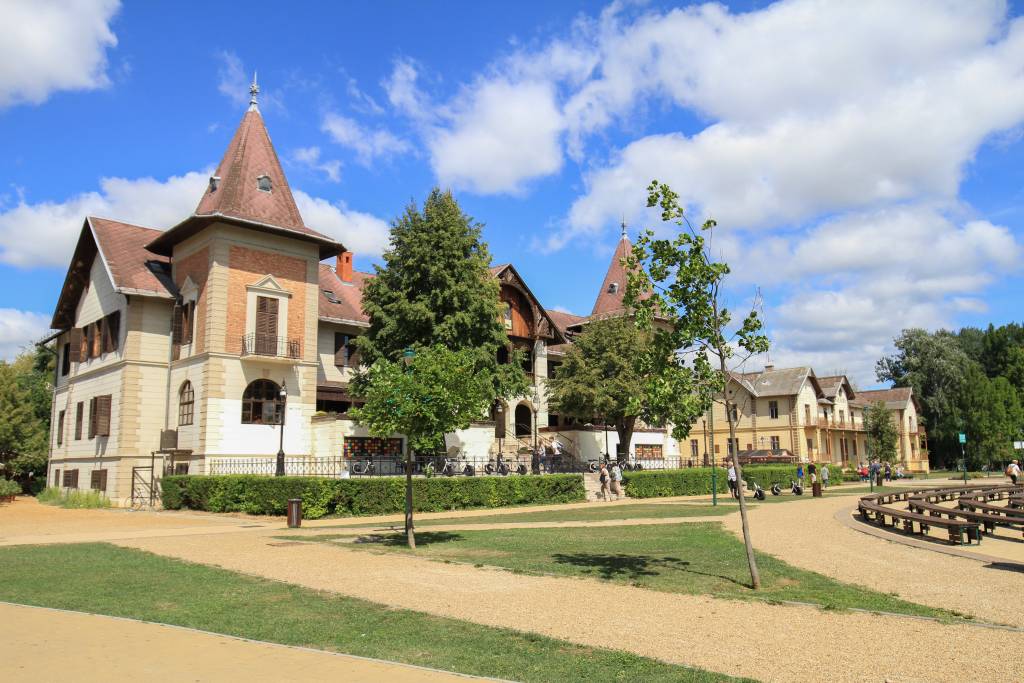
(957,529)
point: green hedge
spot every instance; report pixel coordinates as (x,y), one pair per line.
(259,495)
(696,481)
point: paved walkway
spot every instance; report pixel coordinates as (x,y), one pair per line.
(808,535)
(738,638)
(50,645)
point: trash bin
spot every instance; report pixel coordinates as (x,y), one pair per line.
(294,512)
(816,489)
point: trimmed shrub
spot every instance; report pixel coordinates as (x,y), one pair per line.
(693,481)
(696,481)
(260,495)
(9,488)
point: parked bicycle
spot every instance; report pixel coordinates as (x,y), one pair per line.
(363,468)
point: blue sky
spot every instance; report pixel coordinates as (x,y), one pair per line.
(863,159)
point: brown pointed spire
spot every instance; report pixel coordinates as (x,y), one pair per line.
(609,299)
(249,187)
(249,183)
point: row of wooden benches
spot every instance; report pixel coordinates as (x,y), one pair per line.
(972,516)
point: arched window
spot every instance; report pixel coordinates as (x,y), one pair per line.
(261,403)
(186,403)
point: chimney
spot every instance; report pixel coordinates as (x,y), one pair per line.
(344,268)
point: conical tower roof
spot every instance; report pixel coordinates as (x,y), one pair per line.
(249,163)
(613,289)
(250,189)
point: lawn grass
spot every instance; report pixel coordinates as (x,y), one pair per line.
(696,558)
(591,513)
(105,579)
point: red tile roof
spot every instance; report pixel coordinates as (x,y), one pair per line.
(348,296)
(249,156)
(563,320)
(894,397)
(237,196)
(132,267)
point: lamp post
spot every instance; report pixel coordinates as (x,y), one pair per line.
(407,357)
(279,471)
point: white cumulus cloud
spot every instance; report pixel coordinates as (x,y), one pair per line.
(52,45)
(363,233)
(367,144)
(19,330)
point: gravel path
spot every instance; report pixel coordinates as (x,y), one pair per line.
(750,639)
(53,645)
(807,535)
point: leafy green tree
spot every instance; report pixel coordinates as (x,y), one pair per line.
(25,398)
(435,289)
(992,419)
(936,367)
(881,432)
(435,391)
(676,286)
(609,372)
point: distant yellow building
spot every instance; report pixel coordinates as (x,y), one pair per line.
(792,411)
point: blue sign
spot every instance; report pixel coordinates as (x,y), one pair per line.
(963,438)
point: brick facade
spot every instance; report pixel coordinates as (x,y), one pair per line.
(246,266)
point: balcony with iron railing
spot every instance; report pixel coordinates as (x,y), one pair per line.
(267,347)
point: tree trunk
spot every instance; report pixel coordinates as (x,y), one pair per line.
(624,428)
(755,575)
(410,533)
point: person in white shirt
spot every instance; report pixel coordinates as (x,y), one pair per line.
(1013,472)
(732,481)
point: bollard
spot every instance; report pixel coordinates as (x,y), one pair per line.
(816,489)
(294,512)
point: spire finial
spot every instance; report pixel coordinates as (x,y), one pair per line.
(254,90)
(623,224)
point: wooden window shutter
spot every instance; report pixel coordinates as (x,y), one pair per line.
(75,343)
(60,428)
(97,339)
(92,417)
(187,322)
(340,349)
(103,415)
(176,324)
(111,331)
(98,480)
(83,354)
(266,316)
(353,353)
(79,410)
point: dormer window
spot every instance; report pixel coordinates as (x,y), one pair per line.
(329,295)
(263,183)
(613,288)
(214,183)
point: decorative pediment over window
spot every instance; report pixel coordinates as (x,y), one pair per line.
(267,284)
(189,291)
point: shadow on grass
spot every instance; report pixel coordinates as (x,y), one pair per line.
(632,567)
(422,538)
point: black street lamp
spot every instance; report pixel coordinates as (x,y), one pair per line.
(279,471)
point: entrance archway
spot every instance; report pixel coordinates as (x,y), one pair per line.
(524,420)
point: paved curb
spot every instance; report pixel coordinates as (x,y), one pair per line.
(261,642)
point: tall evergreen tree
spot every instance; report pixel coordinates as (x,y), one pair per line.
(436,297)
(881,432)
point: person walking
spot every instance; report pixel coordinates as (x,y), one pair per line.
(1013,472)
(617,480)
(800,475)
(603,477)
(732,482)
(824,475)
(812,470)
(888,472)
(556,455)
